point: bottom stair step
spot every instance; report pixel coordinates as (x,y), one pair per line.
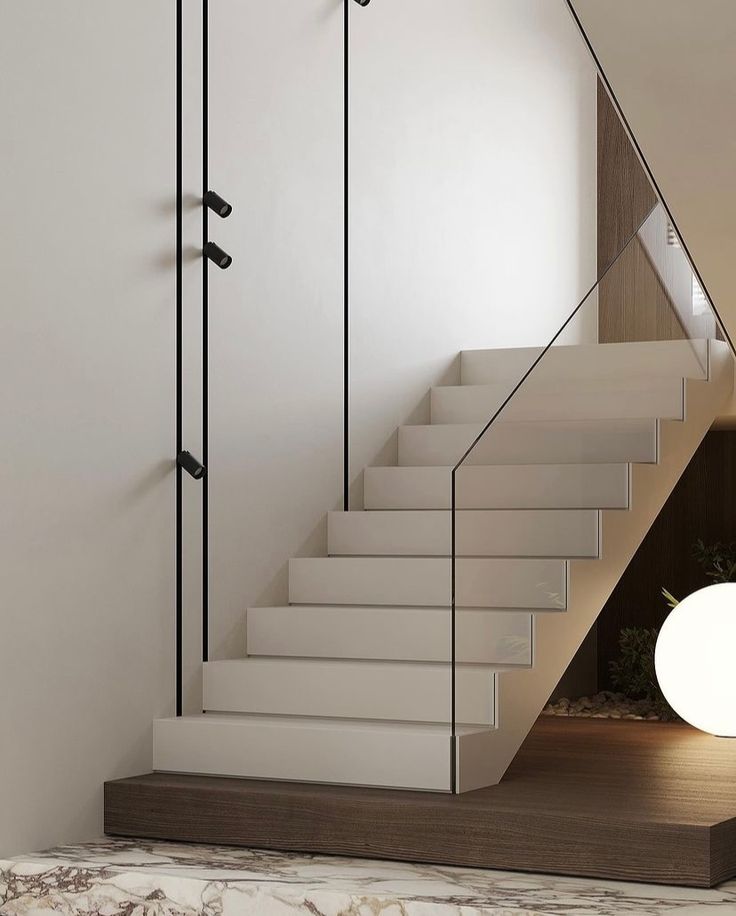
(306,750)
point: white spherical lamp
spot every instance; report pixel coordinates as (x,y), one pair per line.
(695,659)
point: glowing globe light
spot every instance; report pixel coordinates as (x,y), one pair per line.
(695,659)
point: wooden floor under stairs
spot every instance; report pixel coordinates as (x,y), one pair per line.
(640,801)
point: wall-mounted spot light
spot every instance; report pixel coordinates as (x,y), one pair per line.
(217,255)
(189,463)
(363,2)
(217,204)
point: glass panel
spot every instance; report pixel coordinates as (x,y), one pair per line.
(447,160)
(555,432)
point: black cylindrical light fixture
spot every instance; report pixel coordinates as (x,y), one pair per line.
(189,463)
(217,255)
(363,2)
(217,204)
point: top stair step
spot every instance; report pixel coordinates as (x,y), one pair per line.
(589,362)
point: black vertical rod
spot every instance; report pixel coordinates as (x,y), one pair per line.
(179,414)
(453,729)
(346,290)
(205,337)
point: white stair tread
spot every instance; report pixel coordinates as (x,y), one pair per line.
(391,633)
(588,362)
(544,442)
(478,533)
(541,398)
(543,486)
(402,756)
(403,691)
(421,581)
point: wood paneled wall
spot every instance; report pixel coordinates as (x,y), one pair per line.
(632,304)
(624,193)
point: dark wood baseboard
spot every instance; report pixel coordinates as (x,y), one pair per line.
(638,801)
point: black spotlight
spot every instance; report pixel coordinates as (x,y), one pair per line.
(217,255)
(218,204)
(363,2)
(189,463)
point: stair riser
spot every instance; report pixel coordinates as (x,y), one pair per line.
(420,582)
(478,403)
(563,486)
(663,359)
(224,747)
(503,533)
(392,634)
(354,690)
(533,443)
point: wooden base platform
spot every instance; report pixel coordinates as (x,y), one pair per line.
(640,801)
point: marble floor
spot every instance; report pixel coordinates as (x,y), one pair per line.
(134,878)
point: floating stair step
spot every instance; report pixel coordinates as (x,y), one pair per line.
(402,756)
(479,533)
(425,582)
(391,633)
(589,362)
(543,486)
(540,398)
(548,442)
(397,691)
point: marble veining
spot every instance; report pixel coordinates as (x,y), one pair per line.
(140,878)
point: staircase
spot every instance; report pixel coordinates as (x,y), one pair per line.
(352,682)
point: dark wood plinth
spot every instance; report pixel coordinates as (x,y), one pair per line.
(607,799)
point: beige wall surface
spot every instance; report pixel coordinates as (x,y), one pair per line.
(673,69)
(86,405)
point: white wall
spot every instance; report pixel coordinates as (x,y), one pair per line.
(472,224)
(276,314)
(473,194)
(86,405)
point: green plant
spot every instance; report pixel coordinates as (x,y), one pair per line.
(672,602)
(718,561)
(633,671)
